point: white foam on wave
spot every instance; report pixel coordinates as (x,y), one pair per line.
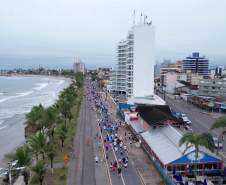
(40,86)
(3,127)
(19,95)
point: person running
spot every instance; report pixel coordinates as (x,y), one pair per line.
(121,144)
(125,165)
(124,147)
(121,153)
(127,160)
(106,147)
(116,149)
(96,159)
(123,160)
(111,166)
(129,135)
(119,172)
(125,135)
(99,145)
(107,156)
(88,142)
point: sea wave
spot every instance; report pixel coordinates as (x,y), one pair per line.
(3,127)
(40,86)
(19,95)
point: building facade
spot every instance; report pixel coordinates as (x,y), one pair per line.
(193,78)
(196,64)
(135,63)
(212,87)
(79,66)
(173,76)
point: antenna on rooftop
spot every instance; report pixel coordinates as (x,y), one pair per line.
(141,16)
(134,17)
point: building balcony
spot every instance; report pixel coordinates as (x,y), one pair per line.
(129,69)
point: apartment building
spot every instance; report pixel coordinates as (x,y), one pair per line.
(79,66)
(212,87)
(134,75)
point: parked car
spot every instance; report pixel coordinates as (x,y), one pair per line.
(214,142)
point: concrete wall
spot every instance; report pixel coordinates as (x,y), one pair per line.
(143,61)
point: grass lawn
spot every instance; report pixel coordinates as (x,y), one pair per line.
(55,178)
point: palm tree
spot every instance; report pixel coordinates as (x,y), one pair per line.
(51,153)
(190,139)
(35,117)
(39,171)
(220,123)
(51,117)
(24,156)
(62,137)
(38,144)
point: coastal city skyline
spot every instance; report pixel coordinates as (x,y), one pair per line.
(33,35)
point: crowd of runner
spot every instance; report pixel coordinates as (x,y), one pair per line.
(109,127)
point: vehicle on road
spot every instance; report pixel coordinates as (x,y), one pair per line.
(185,119)
(214,142)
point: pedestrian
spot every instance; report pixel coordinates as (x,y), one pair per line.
(125,165)
(125,135)
(121,144)
(116,149)
(106,147)
(124,147)
(114,167)
(99,145)
(123,160)
(119,172)
(121,153)
(127,160)
(111,166)
(110,145)
(88,142)
(96,159)
(129,135)
(107,156)
(73,154)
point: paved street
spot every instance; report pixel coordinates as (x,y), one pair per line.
(200,122)
(83,170)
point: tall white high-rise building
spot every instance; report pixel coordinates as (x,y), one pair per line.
(135,69)
(79,66)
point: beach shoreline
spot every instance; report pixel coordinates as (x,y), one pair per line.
(13,136)
(40,76)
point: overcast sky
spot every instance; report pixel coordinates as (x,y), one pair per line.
(66,30)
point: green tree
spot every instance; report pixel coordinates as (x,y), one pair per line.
(51,153)
(221,124)
(24,156)
(50,118)
(35,117)
(190,139)
(39,171)
(62,137)
(38,144)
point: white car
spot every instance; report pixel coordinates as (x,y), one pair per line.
(185,119)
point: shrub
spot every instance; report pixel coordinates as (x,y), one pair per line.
(62,176)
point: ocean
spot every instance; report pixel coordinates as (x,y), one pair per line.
(17,96)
